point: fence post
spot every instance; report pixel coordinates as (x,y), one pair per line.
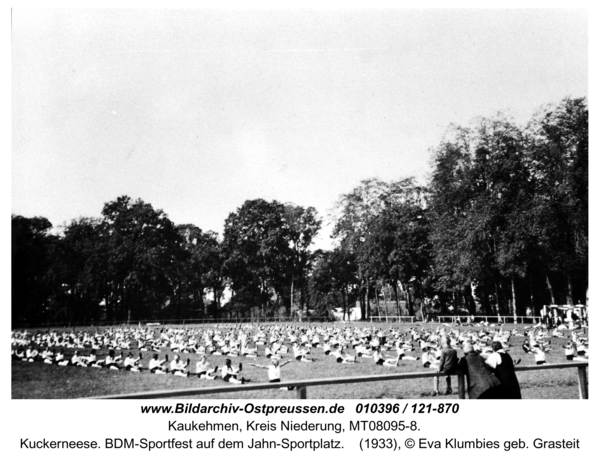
(583,383)
(461,386)
(301,392)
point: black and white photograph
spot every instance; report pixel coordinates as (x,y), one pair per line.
(326,204)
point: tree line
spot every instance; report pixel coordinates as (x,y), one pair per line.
(500,226)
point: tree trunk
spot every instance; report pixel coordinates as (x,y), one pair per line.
(497,297)
(397,299)
(514,295)
(409,302)
(377,301)
(262,298)
(291,298)
(368,309)
(469,300)
(549,285)
(531,300)
(385,308)
(569,290)
(485,301)
(362,305)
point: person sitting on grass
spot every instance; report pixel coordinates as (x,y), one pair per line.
(18,354)
(247,351)
(75,359)
(92,359)
(59,358)
(274,370)
(131,364)
(204,370)
(87,361)
(362,350)
(230,375)
(582,349)
(31,354)
(269,353)
(341,357)
(47,356)
(539,353)
(557,333)
(300,354)
(178,367)
(571,353)
(233,350)
(429,358)
(401,350)
(157,366)
(112,362)
(381,360)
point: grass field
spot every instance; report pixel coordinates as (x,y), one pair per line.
(43,381)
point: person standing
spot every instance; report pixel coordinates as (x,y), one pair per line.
(481,381)
(503,367)
(448,366)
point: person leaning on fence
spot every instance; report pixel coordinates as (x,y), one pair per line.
(481,381)
(503,367)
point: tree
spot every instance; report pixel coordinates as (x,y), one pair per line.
(201,271)
(479,188)
(143,249)
(333,281)
(559,167)
(78,269)
(257,251)
(31,247)
(398,249)
(302,225)
(509,208)
(359,217)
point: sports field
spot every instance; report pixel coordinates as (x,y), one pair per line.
(42,381)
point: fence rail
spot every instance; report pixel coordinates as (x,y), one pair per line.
(489,318)
(182,322)
(302,385)
(392,319)
(280,319)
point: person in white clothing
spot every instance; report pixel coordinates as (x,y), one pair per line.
(204,371)
(132,364)
(300,354)
(157,366)
(274,369)
(342,357)
(230,375)
(178,367)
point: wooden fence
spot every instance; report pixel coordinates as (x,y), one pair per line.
(302,385)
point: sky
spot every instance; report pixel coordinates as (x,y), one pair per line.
(197,111)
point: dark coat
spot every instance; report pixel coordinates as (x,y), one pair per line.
(449,361)
(507,376)
(481,381)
